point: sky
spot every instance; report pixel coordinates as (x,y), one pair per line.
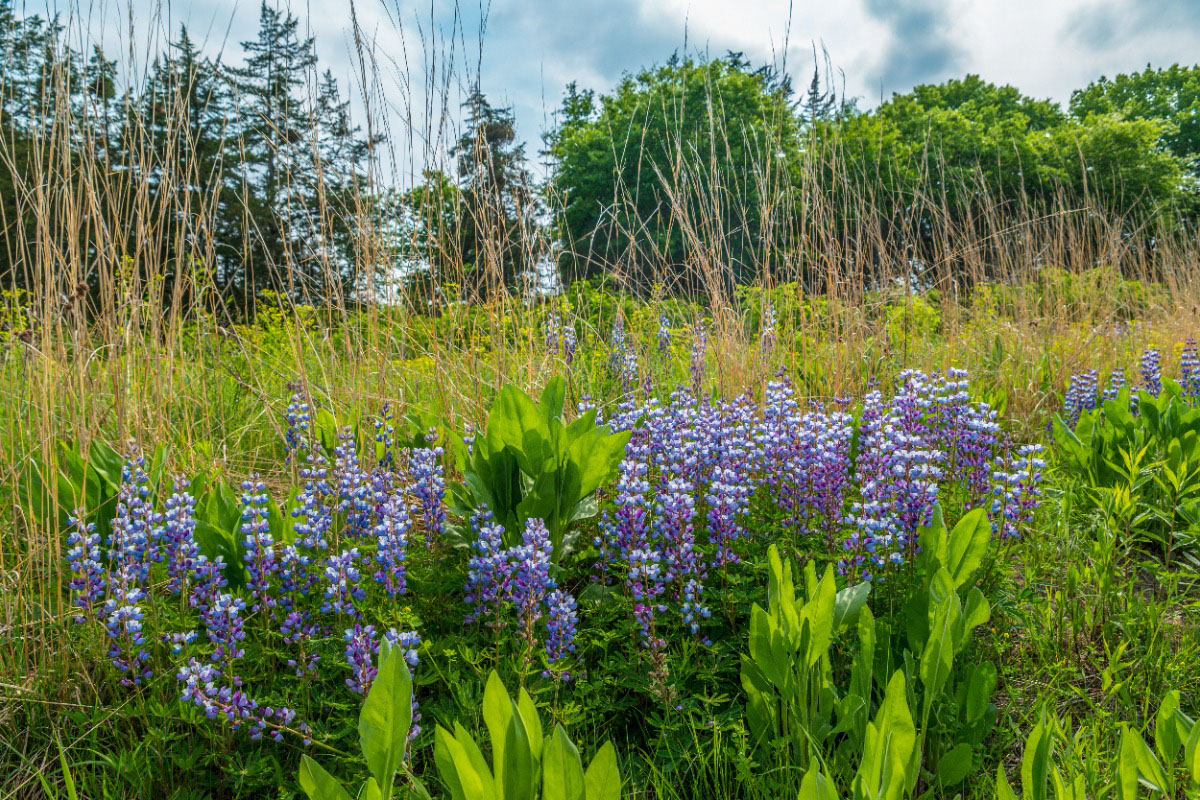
(524,52)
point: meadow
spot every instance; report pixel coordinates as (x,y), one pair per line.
(900,501)
(606,513)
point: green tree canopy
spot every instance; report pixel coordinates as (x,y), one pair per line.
(681,166)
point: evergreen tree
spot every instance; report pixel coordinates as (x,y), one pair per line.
(277,154)
(498,229)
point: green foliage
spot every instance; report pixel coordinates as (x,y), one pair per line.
(798,716)
(52,488)
(1171,768)
(1141,470)
(530,464)
(787,674)
(1093,295)
(1170,95)
(383,727)
(525,764)
(670,143)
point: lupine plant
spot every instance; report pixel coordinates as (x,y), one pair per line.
(679,490)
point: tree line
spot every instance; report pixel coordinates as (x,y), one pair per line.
(239,169)
(694,169)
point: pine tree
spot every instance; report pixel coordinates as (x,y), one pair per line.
(498,230)
(277,146)
(186,109)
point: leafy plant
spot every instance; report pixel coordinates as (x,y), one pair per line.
(532,465)
(524,763)
(50,489)
(383,728)
(1156,769)
(795,710)
(1141,469)
(787,675)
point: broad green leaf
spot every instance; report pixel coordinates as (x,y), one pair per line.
(1166,732)
(819,613)
(476,762)
(1127,768)
(1003,788)
(454,767)
(319,784)
(815,786)
(979,690)
(977,612)
(386,717)
(1035,766)
(562,770)
(955,765)
(519,781)
(968,545)
(603,778)
(553,398)
(533,724)
(498,711)
(849,602)
(1191,754)
(1148,767)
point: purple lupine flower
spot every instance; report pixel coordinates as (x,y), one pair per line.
(645,585)
(429,487)
(224,627)
(260,546)
(342,589)
(1081,396)
(132,527)
(1018,492)
(299,419)
(561,624)
(207,583)
(298,630)
(664,334)
(1189,371)
(1152,371)
(623,358)
(728,499)
(768,336)
(391,537)
(179,539)
(409,641)
(531,581)
(84,559)
(352,486)
(123,619)
(385,437)
(220,697)
(560,338)
(489,572)
(1116,382)
(362,645)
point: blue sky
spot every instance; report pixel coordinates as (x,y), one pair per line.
(525,51)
